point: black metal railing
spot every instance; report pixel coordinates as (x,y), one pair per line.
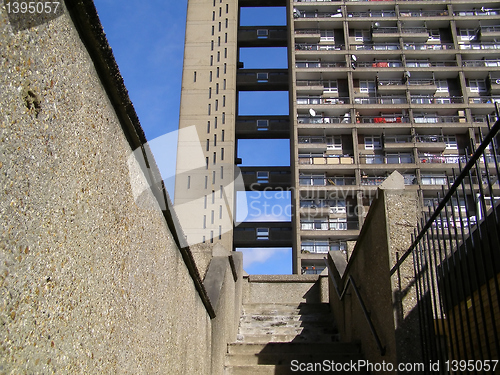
(456,261)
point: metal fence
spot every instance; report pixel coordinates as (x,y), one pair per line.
(456,260)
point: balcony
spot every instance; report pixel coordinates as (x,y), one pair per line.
(396,158)
(489,33)
(477,12)
(385,34)
(381,100)
(415,34)
(380,64)
(321,247)
(376,47)
(430,143)
(441,159)
(477,46)
(325,160)
(390,85)
(372,14)
(422,86)
(398,142)
(481,63)
(427,99)
(423,13)
(298,14)
(318,47)
(419,118)
(383,119)
(312,100)
(321,180)
(320,64)
(326,224)
(430,64)
(323,120)
(493,83)
(484,100)
(428,47)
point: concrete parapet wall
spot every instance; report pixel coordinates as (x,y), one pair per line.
(285,289)
(92,280)
(387,231)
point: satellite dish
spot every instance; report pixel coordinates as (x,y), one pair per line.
(354,58)
(376,24)
(312,112)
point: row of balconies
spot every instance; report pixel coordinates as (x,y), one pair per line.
(314,64)
(408,47)
(387,158)
(389,100)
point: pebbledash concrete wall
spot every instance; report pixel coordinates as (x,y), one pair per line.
(91,281)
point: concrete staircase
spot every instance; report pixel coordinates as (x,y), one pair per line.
(277,338)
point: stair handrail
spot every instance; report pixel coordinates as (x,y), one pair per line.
(350,280)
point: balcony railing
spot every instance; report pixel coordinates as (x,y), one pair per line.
(329,225)
(380,13)
(441,159)
(383,119)
(423,99)
(484,118)
(476,46)
(414,30)
(381,100)
(429,64)
(320,64)
(386,159)
(481,63)
(318,47)
(320,100)
(379,64)
(423,13)
(477,12)
(385,30)
(484,99)
(427,47)
(434,119)
(303,14)
(326,181)
(325,160)
(372,180)
(322,247)
(397,139)
(323,120)
(376,47)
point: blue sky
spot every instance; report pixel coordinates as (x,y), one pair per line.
(147,39)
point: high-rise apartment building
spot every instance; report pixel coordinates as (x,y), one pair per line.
(374,86)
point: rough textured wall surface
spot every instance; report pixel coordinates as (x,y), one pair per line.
(90,283)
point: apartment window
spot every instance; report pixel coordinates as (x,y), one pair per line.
(220,26)
(451,142)
(367,87)
(212,45)
(327,35)
(189,182)
(209,109)
(222,134)
(222,153)
(209,93)
(337,206)
(215,157)
(206,163)
(213,30)
(218,72)
(218,56)
(211,60)
(208,144)
(262,177)
(361,35)
(225,38)
(216,105)
(262,125)
(225,68)
(466,35)
(208,127)
(215,122)
(262,234)
(227,8)
(218,41)
(331,87)
(215,140)
(433,179)
(373,142)
(334,143)
(434,35)
(477,85)
(210,76)
(224,100)
(194,77)
(226,23)
(442,85)
(225,53)
(223,117)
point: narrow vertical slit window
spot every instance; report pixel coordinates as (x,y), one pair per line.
(225,68)
(223,84)
(209,93)
(225,53)
(220,232)
(211,236)
(213,196)
(212,218)
(218,72)
(215,158)
(221,189)
(220,26)
(194,76)
(220,11)
(221,175)
(210,76)
(205,201)
(227,8)
(208,127)
(204,221)
(213,29)
(189,182)
(213,177)
(216,105)
(225,38)
(213,15)
(223,117)
(218,56)
(215,122)
(206,178)
(227,22)
(211,60)
(215,140)
(209,109)
(206,163)
(212,45)
(217,89)
(218,41)
(222,135)
(208,144)
(224,100)
(222,153)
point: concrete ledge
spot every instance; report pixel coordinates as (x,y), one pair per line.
(283,278)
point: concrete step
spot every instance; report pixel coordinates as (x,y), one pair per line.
(263,318)
(292,347)
(283,308)
(284,322)
(287,330)
(281,370)
(312,337)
